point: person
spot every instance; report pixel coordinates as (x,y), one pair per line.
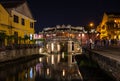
(90,45)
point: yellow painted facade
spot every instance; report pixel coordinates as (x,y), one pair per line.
(22,29)
(110,26)
(4,23)
(4,20)
(8,25)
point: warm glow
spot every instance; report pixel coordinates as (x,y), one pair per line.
(63,54)
(115,21)
(83,34)
(63,72)
(52,59)
(97,34)
(52,47)
(48,71)
(58,58)
(40,59)
(40,50)
(47,46)
(91,24)
(58,47)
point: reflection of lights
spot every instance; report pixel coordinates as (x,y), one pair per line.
(58,58)
(31,72)
(40,50)
(58,47)
(52,59)
(47,46)
(40,59)
(63,54)
(83,34)
(97,34)
(47,59)
(48,71)
(52,46)
(38,67)
(78,49)
(63,72)
(26,75)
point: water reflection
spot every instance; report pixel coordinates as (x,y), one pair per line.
(53,67)
(58,68)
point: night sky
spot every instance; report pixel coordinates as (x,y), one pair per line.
(49,13)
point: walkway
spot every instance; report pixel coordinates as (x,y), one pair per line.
(112,52)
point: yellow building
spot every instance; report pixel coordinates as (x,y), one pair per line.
(4,24)
(110,26)
(16,21)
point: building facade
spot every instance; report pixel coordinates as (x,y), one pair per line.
(4,24)
(109,28)
(17,22)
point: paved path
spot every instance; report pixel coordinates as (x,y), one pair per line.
(112,52)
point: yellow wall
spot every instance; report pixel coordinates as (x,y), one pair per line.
(22,29)
(106,32)
(4,20)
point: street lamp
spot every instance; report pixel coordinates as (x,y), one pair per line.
(91,24)
(92,30)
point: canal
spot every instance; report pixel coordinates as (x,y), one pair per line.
(55,67)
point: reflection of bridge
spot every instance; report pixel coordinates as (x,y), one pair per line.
(60,67)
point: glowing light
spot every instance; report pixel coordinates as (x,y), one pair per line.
(40,59)
(97,34)
(52,46)
(58,58)
(58,47)
(40,50)
(47,46)
(83,34)
(31,72)
(63,55)
(48,71)
(52,59)
(91,24)
(63,72)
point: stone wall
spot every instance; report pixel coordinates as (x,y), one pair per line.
(111,66)
(17,53)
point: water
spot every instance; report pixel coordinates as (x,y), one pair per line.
(56,67)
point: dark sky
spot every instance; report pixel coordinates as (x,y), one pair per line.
(50,13)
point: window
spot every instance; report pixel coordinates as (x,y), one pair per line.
(23,21)
(31,24)
(16,19)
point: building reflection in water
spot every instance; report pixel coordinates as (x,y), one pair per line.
(53,67)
